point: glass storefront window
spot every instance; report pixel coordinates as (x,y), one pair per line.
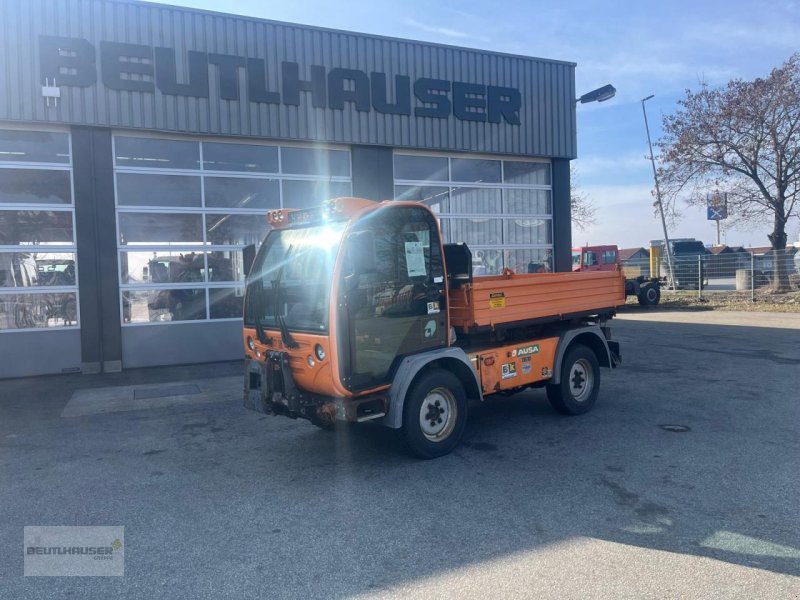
(36,177)
(226,303)
(246,158)
(226,265)
(529,260)
(144,189)
(235,230)
(156,153)
(232,192)
(313,161)
(476,232)
(527,202)
(178,304)
(36,227)
(527,231)
(421,168)
(38,311)
(464,200)
(35,186)
(475,170)
(199,221)
(526,173)
(473,187)
(37,269)
(437,198)
(160,228)
(162,267)
(305,194)
(34,146)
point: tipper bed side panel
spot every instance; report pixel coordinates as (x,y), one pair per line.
(498,299)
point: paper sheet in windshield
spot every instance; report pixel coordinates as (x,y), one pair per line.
(415,259)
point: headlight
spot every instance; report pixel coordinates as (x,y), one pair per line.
(320,352)
(251,344)
(310,360)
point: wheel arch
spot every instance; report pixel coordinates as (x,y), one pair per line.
(450,359)
(591,337)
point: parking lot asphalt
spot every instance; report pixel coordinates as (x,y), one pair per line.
(218,501)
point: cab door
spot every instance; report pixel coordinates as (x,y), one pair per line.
(392,294)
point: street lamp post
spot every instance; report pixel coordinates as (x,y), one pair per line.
(658,194)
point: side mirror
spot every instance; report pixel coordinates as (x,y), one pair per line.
(248,256)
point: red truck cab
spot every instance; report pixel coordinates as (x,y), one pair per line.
(595,258)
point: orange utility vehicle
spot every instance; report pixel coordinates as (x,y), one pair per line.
(355,311)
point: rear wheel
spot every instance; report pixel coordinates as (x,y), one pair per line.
(579,384)
(434,414)
(649,294)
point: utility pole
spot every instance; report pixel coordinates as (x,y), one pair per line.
(667,247)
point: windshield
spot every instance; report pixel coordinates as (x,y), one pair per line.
(576,258)
(291,278)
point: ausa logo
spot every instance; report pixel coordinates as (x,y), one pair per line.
(526,351)
(139,68)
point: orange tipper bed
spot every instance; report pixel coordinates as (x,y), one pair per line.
(498,300)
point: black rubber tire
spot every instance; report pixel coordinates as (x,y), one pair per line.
(413,434)
(561,395)
(649,294)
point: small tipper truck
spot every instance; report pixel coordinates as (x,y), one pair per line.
(355,311)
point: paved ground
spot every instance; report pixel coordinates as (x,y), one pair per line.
(220,502)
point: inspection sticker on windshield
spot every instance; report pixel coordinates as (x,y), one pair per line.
(526,350)
(433,307)
(415,259)
(497,300)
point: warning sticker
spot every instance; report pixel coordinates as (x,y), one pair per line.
(509,370)
(497,300)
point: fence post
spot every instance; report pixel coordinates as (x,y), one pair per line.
(700,276)
(752,277)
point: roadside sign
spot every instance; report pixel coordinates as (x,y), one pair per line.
(717,206)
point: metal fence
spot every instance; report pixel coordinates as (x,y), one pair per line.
(743,272)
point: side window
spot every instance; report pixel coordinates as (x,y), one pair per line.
(589,259)
(609,257)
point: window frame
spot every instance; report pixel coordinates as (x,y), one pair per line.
(451,186)
(205,246)
(44,248)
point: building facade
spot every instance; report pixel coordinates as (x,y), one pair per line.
(141,146)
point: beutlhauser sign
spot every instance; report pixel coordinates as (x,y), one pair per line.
(147,69)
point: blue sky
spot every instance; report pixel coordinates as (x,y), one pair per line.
(641,47)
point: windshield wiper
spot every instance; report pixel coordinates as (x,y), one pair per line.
(286,336)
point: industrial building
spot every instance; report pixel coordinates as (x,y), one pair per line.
(141,146)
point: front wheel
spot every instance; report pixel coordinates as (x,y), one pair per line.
(434,414)
(579,384)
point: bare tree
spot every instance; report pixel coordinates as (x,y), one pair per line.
(743,139)
(581,205)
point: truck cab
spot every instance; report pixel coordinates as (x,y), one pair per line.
(595,258)
(351,314)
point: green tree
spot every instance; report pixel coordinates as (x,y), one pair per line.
(744,139)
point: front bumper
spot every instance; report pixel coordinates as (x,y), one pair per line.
(269,388)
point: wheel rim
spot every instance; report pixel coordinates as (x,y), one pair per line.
(437,415)
(581,380)
(651,295)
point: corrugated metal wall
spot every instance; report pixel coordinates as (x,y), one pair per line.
(547,116)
